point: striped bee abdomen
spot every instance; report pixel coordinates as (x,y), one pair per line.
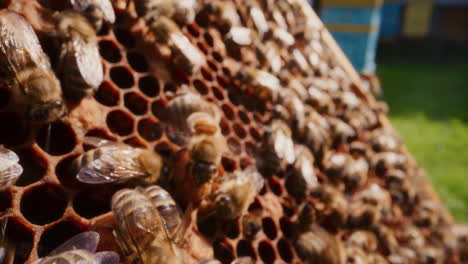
(166,206)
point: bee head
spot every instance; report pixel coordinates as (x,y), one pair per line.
(95,16)
(224,205)
(47,112)
(202,172)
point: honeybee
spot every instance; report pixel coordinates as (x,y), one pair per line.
(209,261)
(303,176)
(223,14)
(386,238)
(361,118)
(205,148)
(251,224)
(195,123)
(6,247)
(299,62)
(413,237)
(180,108)
(403,255)
(383,141)
(243,260)
(80,249)
(373,203)
(355,255)
(236,192)
(283,37)
(279,146)
(360,149)
(357,171)
(80,62)
(343,132)
(98,12)
(314,131)
(363,239)
(400,187)
(316,245)
(335,204)
(307,218)
(321,101)
(182,11)
(431,255)
(239,36)
(265,85)
(336,165)
(141,229)
(201,158)
(268,55)
(347,100)
(258,18)
(115,162)
(427,213)
(10,170)
(25,65)
(290,108)
(384,161)
(185,55)
(376,258)
(166,206)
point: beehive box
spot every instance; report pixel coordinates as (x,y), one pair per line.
(47,205)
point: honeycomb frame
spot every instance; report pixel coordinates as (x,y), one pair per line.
(139,81)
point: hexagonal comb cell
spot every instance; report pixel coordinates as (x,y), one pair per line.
(109,51)
(122,77)
(5,201)
(57,138)
(55,235)
(120,122)
(149,86)
(34,166)
(5,95)
(137,62)
(149,129)
(43,204)
(21,236)
(136,103)
(93,202)
(15,132)
(107,94)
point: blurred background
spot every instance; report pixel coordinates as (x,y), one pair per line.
(418,49)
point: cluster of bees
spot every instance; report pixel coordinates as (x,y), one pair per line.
(148,220)
(316,123)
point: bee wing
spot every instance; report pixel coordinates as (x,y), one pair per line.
(86,241)
(104,5)
(88,61)
(192,53)
(8,158)
(115,163)
(19,45)
(98,142)
(10,173)
(9,155)
(106,257)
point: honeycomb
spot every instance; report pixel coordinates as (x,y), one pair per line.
(48,205)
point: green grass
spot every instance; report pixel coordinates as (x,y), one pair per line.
(429,108)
